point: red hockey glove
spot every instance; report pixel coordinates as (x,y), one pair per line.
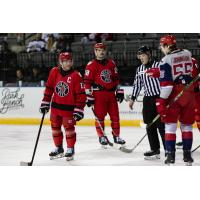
(161,107)
(90,100)
(44,107)
(78,114)
(153,72)
(120,95)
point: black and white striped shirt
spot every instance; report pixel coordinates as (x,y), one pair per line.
(151,85)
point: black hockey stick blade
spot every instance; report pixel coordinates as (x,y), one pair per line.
(22,163)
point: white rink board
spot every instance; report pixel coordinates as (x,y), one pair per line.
(24,102)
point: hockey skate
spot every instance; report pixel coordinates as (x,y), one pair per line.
(103,140)
(170,160)
(152,155)
(118,141)
(57,153)
(70,154)
(187,158)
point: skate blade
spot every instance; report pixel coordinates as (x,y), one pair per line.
(104,146)
(156,157)
(188,163)
(61,155)
(69,158)
(119,146)
(170,164)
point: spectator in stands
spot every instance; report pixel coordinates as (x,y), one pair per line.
(36,45)
(20,75)
(100,37)
(36,75)
(51,43)
(85,39)
(4,46)
(20,38)
(64,42)
(45,36)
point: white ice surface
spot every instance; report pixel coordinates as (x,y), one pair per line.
(17,143)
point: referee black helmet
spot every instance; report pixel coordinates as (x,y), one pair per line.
(144,49)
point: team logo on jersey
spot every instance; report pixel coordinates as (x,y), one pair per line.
(62,89)
(106,76)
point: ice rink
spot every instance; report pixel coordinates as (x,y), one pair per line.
(17,143)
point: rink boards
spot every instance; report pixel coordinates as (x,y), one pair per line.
(20,105)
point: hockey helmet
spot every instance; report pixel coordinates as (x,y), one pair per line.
(65,56)
(168,40)
(143,49)
(99,46)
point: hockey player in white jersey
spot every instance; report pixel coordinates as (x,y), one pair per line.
(175,74)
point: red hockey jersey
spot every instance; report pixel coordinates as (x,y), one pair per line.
(195,72)
(103,73)
(65,92)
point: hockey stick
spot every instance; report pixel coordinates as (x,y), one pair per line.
(195,149)
(124,149)
(104,134)
(22,163)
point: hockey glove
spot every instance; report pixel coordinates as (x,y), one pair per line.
(120,95)
(153,72)
(90,100)
(78,114)
(161,107)
(44,107)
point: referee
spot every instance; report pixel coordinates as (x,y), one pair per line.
(151,92)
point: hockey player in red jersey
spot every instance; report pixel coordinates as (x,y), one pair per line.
(101,86)
(155,72)
(65,94)
(195,72)
(175,74)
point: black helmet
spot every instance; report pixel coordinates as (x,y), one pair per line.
(143,49)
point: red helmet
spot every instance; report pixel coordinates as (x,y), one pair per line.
(65,56)
(99,46)
(168,39)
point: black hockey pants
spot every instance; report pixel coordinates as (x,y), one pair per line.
(149,113)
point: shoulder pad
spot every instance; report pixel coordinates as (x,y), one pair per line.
(54,68)
(112,61)
(89,63)
(164,59)
(77,73)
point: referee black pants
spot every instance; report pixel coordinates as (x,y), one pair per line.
(149,113)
